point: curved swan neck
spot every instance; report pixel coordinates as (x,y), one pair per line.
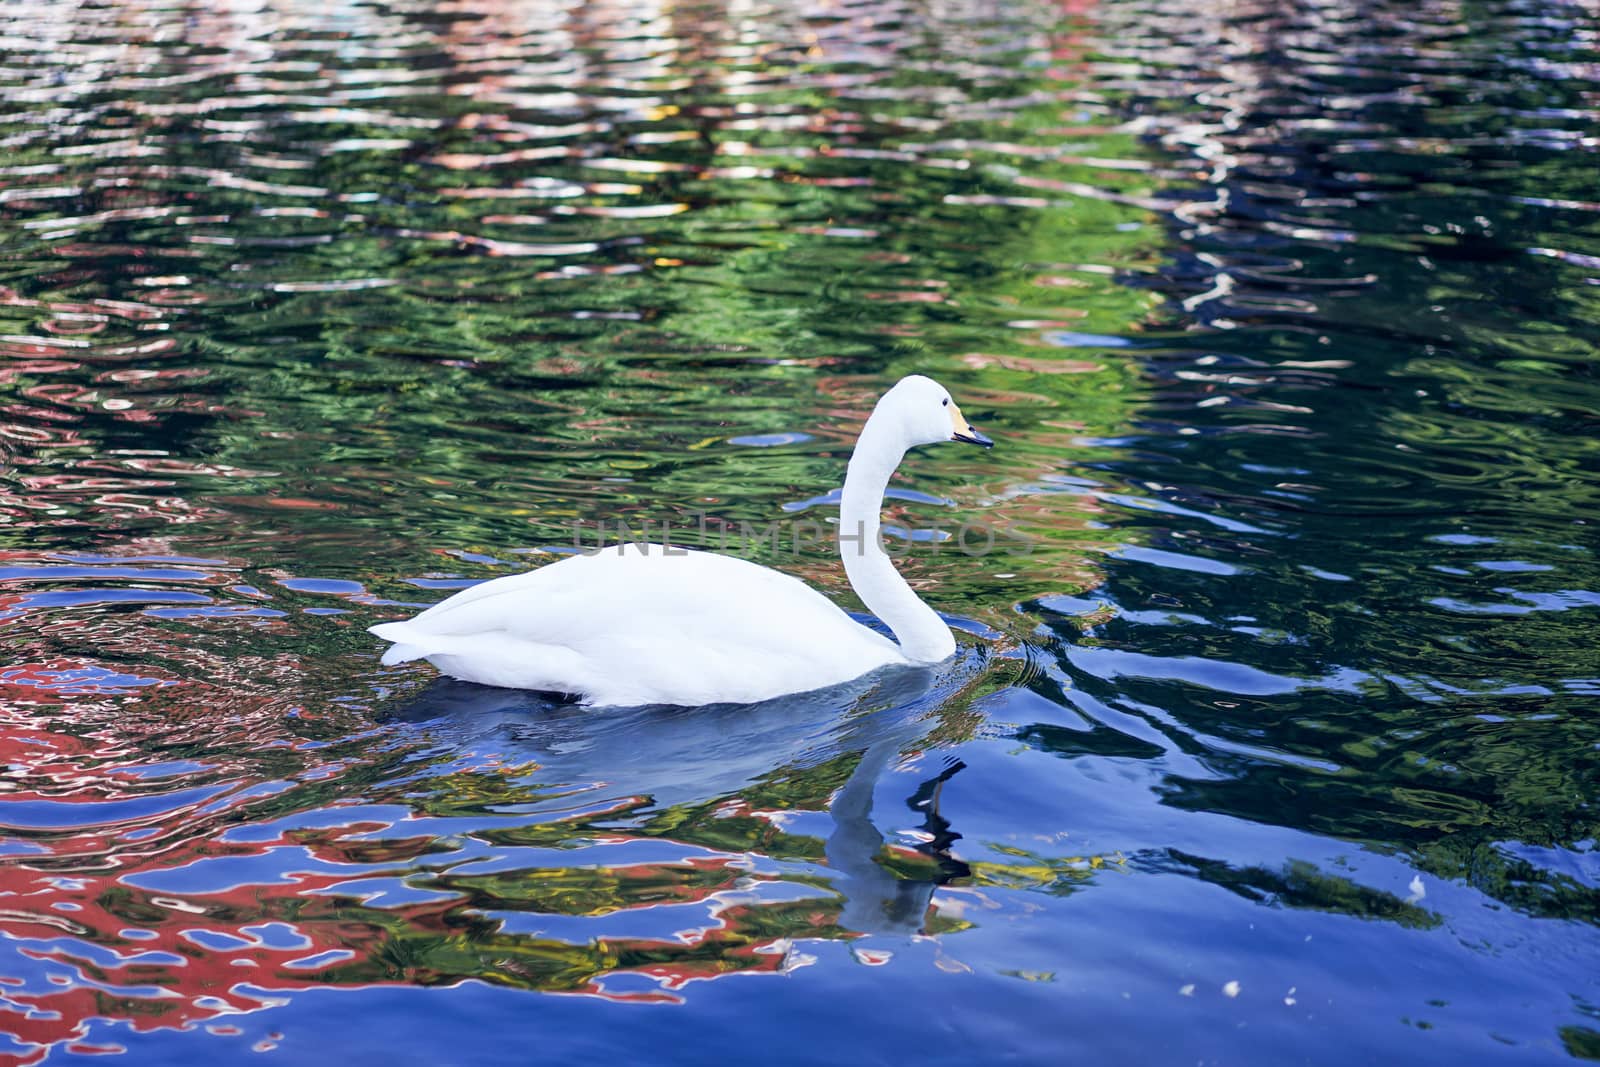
(923,636)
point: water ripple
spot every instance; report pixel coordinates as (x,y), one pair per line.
(1282,316)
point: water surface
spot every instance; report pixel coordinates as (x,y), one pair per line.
(1272,736)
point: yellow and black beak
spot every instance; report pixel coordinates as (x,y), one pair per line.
(962,430)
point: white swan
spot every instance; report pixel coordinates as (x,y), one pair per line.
(643,624)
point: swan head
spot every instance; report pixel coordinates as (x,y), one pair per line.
(924,413)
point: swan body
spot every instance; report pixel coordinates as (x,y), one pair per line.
(685,628)
(650,624)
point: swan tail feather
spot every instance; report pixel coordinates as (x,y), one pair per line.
(404,648)
(402,654)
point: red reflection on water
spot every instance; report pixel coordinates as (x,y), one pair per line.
(119,777)
(75,737)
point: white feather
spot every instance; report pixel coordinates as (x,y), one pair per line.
(637,624)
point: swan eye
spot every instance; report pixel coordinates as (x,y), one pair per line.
(945,401)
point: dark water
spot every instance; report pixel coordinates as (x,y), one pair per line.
(1273,737)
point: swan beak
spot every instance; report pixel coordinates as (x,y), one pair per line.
(962,430)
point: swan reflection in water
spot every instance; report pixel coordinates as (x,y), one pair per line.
(697,756)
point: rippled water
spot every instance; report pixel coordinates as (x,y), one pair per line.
(1273,735)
